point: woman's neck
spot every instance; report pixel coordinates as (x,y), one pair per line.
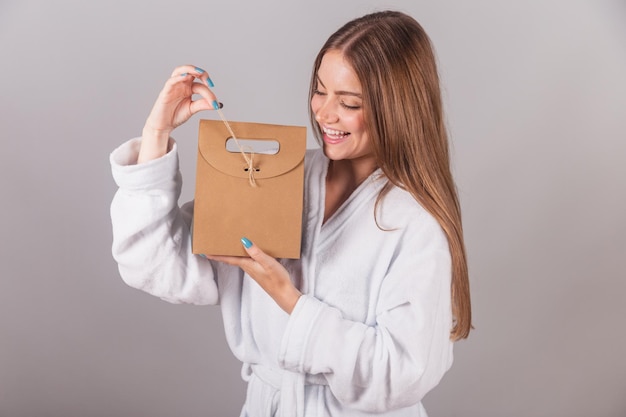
(342,178)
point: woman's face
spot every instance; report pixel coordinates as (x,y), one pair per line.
(338,107)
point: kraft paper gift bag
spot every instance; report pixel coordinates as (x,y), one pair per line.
(228,207)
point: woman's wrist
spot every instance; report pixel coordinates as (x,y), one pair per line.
(289,299)
(154,144)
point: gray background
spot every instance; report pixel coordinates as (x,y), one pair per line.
(535,94)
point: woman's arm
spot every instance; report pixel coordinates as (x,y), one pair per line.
(151,234)
(267,272)
(173,107)
(375,368)
(394,362)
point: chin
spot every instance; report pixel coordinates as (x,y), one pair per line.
(333,154)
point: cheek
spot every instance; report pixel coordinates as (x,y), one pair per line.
(315,104)
(356,122)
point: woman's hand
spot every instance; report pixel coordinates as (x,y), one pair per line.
(267,272)
(175,106)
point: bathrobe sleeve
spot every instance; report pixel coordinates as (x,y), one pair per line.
(394,363)
(151,234)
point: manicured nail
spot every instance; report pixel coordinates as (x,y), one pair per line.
(199,70)
(184,74)
(246,242)
(215,105)
(203,255)
(209,82)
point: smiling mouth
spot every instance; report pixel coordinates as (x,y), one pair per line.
(334,136)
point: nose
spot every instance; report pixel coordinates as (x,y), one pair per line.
(326,113)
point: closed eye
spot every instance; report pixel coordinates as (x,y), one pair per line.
(344,105)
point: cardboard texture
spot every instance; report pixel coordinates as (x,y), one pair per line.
(228,208)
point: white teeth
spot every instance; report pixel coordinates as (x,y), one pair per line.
(337,134)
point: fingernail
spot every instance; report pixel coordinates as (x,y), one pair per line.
(199,70)
(209,82)
(246,242)
(203,255)
(215,105)
(184,74)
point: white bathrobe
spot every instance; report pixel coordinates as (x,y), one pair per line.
(371,332)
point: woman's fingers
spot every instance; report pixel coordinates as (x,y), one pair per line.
(257,265)
(181,82)
(198,82)
(187,69)
(230,260)
(193,71)
(266,261)
(175,104)
(210,100)
(267,272)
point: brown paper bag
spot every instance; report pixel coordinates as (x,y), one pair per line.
(227,207)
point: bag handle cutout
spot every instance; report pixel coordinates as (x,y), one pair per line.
(258,146)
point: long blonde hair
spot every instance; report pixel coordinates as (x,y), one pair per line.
(395,63)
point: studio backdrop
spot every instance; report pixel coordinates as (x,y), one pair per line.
(535,96)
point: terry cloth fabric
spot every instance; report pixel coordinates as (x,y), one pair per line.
(371,333)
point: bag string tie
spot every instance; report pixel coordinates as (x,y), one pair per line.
(248,159)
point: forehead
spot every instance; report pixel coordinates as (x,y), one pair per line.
(336,73)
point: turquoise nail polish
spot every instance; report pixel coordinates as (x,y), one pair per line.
(183,74)
(215,105)
(246,242)
(209,82)
(199,70)
(203,255)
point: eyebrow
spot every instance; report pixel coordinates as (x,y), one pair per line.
(341,92)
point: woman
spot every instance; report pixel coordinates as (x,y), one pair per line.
(365,321)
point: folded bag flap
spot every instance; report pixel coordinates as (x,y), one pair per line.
(213,135)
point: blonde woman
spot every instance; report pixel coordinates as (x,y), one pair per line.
(364,322)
